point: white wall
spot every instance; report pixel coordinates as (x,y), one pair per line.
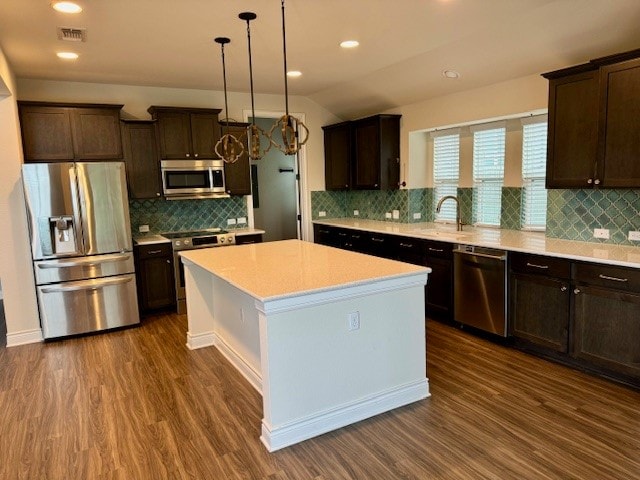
(20,305)
(137,99)
(503,99)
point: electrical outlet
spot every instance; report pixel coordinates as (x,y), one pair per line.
(396,214)
(387,215)
(242,219)
(354,321)
(417,216)
(322,213)
(143,228)
(634,236)
(601,233)
(356,213)
(231,221)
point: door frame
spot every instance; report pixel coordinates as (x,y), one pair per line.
(302,202)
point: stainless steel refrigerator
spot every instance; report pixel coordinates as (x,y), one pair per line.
(81,246)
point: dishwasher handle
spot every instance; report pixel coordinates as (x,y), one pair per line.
(502,257)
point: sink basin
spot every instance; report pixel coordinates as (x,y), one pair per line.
(433,232)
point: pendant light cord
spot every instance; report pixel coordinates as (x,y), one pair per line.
(224,81)
(253,111)
(284,51)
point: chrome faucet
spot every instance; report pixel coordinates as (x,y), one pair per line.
(458,218)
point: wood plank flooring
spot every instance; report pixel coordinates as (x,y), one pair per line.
(137,404)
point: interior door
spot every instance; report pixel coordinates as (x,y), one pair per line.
(102,190)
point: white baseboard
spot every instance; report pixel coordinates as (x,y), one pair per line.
(24,337)
(248,372)
(280,437)
(201,340)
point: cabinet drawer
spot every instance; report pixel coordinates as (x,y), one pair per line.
(540,265)
(154,250)
(619,278)
(439,249)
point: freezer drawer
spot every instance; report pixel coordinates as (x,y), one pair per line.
(81,268)
(89,305)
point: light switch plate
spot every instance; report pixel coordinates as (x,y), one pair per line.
(231,221)
(356,213)
(242,219)
(322,213)
(634,236)
(396,214)
(387,215)
(601,233)
(417,216)
(143,228)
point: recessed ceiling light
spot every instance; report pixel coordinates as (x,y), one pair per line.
(349,44)
(294,73)
(66,7)
(67,55)
(450,74)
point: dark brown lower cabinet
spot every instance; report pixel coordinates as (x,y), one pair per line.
(246,239)
(155,276)
(606,329)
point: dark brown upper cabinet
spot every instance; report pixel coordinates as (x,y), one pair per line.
(337,156)
(62,131)
(593,124)
(363,154)
(237,175)
(186,133)
(141,159)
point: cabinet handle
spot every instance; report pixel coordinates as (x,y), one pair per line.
(597,181)
(590,181)
(168,261)
(406,245)
(346,186)
(375,184)
(563,288)
(544,267)
(323,231)
(157,194)
(153,252)
(355,236)
(380,240)
(576,291)
(615,279)
(342,234)
(187,155)
(431,249)
(195,155)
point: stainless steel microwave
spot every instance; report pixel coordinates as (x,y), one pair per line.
(183,179)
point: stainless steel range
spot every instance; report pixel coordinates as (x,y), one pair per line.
(214,237)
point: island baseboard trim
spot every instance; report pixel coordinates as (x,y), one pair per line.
(201,340)
(24,337)
(309,427)
(253,377)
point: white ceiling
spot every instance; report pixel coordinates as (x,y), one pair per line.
(404,44)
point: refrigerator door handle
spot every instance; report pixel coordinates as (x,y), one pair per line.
(89,262)
(88,285)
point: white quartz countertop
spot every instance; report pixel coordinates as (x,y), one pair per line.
(151,239)
(286,268)
(511,240)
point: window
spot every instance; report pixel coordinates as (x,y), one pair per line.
(488,172)
(534,164)
(446,168)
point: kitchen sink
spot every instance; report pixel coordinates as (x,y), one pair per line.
(445,234)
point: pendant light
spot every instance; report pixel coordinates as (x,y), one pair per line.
(290,127)
(229,148)
(255,133)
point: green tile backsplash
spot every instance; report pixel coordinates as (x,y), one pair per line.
(175,215)
(571,214)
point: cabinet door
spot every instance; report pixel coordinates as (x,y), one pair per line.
(141,159)
(46,133)
(337,155)
(96,133)
(439,289)
(607,329)
(246,239)
(237,176)
(539,311)
(366,166)
(204,135)
(156,284)
(573,131)
(325,235)
(174,135)
(618,164)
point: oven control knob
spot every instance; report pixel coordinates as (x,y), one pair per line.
(187,242)
(221,239)
(178,243)
(231,239)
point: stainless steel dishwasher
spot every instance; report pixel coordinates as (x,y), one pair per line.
(480,287)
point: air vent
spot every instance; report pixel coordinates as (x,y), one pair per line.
(70,34)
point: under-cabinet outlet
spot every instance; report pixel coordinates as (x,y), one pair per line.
(354,320)
(356,213)
(231,221)
(601,233)
(242,219)
(387,215)
(634,236)
(417,216)
(322,213)
(143,228)
(396,214)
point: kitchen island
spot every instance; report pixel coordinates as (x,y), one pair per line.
(328,337)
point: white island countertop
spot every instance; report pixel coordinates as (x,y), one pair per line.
(511,240)
(271,270)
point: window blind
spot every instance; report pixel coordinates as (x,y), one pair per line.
(446,172)
(534,165)
(488,174)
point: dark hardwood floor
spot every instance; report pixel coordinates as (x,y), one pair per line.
(137,404)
